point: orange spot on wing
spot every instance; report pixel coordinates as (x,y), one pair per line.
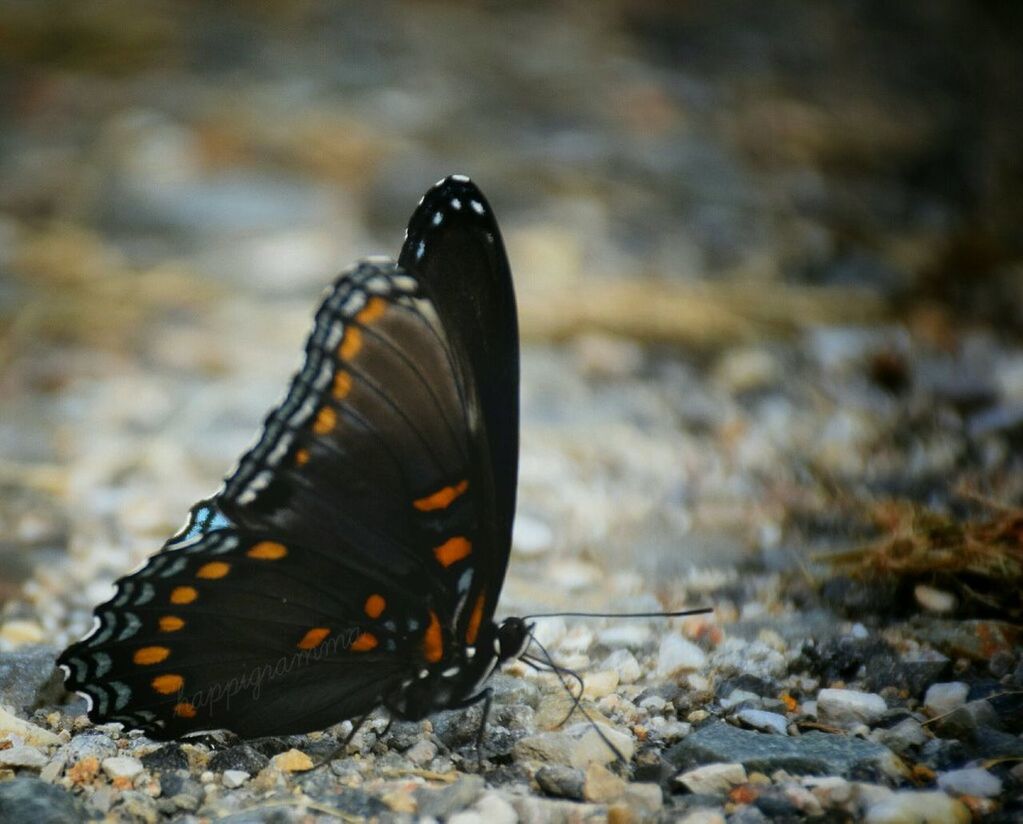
(350,344)
(213,570)
(452,550)
(301,456)
(267,551)
(372,310)
(342,384)
(442,498)
(364,643)
(313,638)
(150,655)
(170,623)
(184,710)
(326,420)
(375,605)
(166,684)
(183,595)
(475,619)
(433,641)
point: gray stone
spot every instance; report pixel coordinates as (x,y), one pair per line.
(422,752)
(966,721)
(242,757)
(138,806)
(764,721)
(560,781)
(29,678)
(443,803)
(29,799)
(167,757)
(970,781)
(904,736)
(813,753)
(90,744)
(508,690)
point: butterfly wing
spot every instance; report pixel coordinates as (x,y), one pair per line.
(454,247)
(305,591)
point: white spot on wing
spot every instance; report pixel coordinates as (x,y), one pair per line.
(438,218)
(460,178)
(420,250)
(477,207)
(456,204)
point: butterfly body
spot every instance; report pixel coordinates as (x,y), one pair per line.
(355,556)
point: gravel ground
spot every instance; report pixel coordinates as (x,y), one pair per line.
(176,190)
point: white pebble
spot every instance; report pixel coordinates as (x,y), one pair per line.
(235,778)
(910,807)
(764,721)
(625,664)
(677,654)
(970,781)
(495,810)
(934,600)
(846,708)
(713,779)
(22,756)
(122,766)
(942,698)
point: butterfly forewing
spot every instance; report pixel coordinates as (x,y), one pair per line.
(454,248)
(361,539)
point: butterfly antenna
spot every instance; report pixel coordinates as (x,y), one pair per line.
(576,699)
(678,614)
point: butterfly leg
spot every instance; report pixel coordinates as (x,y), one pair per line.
(340,748)
(487,697)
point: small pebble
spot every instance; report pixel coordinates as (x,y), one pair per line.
(910,807)
(712,779)
(494,809)
(624,663)
(292,761)
(122,766)
(676,654)
(942,698)
(764,721)
(934,600)
(846,708)
(422,752)
(29,733)
(970,781)
(21,755)
(235,778)
(599,684)
(601,785)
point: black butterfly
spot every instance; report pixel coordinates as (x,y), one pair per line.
(355,556)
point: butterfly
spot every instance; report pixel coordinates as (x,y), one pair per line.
(354,557)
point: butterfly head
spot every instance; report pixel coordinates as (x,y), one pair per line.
(513,636)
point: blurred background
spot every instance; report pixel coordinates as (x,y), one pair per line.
(769,262)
